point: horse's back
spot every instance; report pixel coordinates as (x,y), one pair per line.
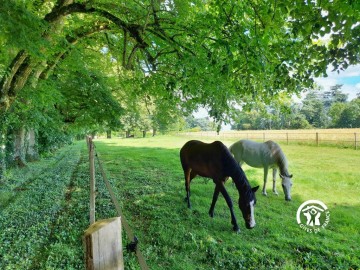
(205,159)
(276,153)
(253,153)
(272,146)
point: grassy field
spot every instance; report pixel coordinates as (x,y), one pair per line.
(149,180)
(147,177)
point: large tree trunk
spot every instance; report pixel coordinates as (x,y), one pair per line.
(32,152)
(19,147)
(3,131)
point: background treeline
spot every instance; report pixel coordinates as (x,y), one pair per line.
(318,109)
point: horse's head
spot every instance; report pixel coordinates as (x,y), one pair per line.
(286,185)
(247,205)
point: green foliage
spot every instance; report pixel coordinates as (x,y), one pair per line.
(21,28)
(199,124)
(163,60)
(319,109)
(347,116)
(314,111)
(276,115)
(29,226)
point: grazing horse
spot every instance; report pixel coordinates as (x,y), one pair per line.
(215,161)
(264,155)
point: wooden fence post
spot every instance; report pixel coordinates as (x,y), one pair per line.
(287,138)
(317,138)
(103,245)
(92,180)
(355,134)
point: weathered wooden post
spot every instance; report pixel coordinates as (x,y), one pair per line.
(92,180)
(317,138)
(287,138)
(103,245)
(355,134)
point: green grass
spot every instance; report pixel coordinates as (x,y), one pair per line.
(44,210)
(149,181)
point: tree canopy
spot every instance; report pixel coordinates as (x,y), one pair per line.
(79,61)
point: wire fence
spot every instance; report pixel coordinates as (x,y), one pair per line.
(346,138)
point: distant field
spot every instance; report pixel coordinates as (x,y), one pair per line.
(45,210)
(340,137)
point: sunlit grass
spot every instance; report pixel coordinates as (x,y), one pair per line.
(149,181)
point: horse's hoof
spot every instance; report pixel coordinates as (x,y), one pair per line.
(264,193)
(236,229)
(276,193)
(211,214)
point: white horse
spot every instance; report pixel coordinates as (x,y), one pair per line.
(264,155)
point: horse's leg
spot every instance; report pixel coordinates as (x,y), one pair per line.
(215,197)
(265,180)
(187,186)
(274,181)
(189,175)
(230,205)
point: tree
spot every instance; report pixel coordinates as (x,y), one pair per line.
(335,112)
(203,124)
(205,53)
(350,115)
(334,96)
(314,110)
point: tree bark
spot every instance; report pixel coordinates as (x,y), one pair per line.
(8,78)
(3,131)
(19,147)
(32,153)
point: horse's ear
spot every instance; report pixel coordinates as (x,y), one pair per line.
(291,176)
(254,189)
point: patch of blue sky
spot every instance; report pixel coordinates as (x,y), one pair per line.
(349,80)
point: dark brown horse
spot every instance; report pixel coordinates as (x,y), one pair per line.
(215,161)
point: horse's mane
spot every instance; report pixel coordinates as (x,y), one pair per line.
(281,161)
(236,173)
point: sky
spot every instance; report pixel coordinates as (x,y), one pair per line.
(350,78)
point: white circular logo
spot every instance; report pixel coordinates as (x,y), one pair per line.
(312,216)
